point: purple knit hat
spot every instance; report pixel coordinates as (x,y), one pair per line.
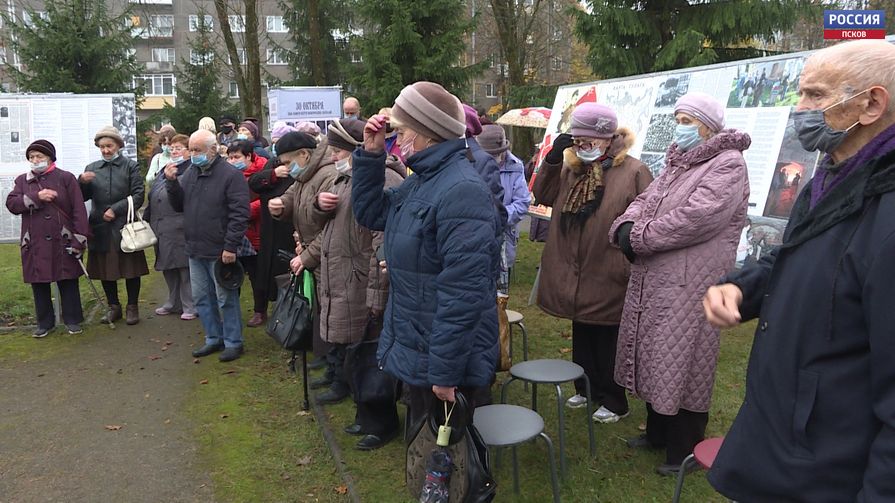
(707,109)
(280,129)
(473,125)
(251,127)
(593,120)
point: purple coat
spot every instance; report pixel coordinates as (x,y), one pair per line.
(516,198)
(687,225)
(49,228)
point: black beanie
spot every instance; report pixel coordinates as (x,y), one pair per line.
(290,142)
(44,147)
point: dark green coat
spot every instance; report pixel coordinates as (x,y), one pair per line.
(115,180)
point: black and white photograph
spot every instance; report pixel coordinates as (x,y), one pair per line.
(4,112)
(654,161)
(125,119)
(660,133)
(671,89)
(14,136)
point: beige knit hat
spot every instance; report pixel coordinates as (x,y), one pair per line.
(430,110)
(109,132)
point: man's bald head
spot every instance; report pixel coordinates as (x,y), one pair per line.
(351,106)
(203,141)
(855,66)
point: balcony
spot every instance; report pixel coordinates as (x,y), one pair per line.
(159,66)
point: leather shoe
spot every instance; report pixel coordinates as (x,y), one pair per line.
(372,442)
(321,382)
(354,429)
(332,395)
(317,364)
(112,315)
(257,320)
(132,314)
(230,354)
(667,470)
(641,442)
(207,350)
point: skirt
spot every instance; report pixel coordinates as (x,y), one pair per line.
(115,264)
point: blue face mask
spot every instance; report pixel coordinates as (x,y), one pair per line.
(687,136)
(295,170)
(241,136)
(199,160)
(273,150)
(241,165)
(166,149)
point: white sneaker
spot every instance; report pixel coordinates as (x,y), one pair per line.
(605,416)
(576,402)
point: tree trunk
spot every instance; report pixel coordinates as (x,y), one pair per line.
(253,55)
(514,25)
(220,8)
(315,44)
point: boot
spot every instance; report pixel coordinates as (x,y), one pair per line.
(112,315)
(132,314)
(257,320)
(336,393)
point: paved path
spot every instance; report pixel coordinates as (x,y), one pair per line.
(54,444)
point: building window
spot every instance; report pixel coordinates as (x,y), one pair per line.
(234,89)
(161,84)
(276,57)
(27,16)
(207,20)
(163,54)
(200,57)
(490,91)
(161,26)
(237,23)
(557,64)
(241,52)
(276,24)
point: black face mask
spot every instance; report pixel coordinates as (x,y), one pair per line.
(226,129)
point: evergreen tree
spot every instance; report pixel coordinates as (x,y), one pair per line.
(405,41)
(319,34)
(199,92)
(630,37)
(78,46)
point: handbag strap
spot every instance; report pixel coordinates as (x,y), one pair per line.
(130,209)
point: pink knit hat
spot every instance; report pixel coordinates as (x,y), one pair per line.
(594,120)
(473,125)
(707,109)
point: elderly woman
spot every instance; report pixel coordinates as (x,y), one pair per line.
(108,183)
(170,251)
(440,328)
(278,130)
(54,234)
(589,179)
(681,236)
(248,131)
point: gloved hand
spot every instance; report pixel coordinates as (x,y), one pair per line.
(560,144)
(623,236)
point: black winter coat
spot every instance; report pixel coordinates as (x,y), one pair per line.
(215,206)
(275,234)
(115,180)
(818,420)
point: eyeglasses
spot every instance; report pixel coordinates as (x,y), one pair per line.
(583,144)
(177,148)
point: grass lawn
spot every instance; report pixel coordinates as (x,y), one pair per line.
(260,447)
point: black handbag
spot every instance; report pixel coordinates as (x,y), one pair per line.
(292,321)
(471,480)
(368,383)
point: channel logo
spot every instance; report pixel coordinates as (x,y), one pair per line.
(854,24)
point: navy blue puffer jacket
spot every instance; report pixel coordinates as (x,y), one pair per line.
(440,325)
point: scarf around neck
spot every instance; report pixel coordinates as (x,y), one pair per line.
(880,145)
(586,187)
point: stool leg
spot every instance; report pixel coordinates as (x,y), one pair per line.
(503,389)
(553,479)
(534,397)
(587,417)
(524,342)
(515,471)
(680,478)
(562,432)
(511,342)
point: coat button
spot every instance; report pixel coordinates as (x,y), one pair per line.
(764,326)
(48,238)
(47,217)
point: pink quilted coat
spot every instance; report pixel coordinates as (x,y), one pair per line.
(687,225)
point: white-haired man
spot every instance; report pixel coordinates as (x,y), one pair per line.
(351,108)
(214,198)
(818,420)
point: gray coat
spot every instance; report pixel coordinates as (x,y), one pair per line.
(167,223)
(115,180)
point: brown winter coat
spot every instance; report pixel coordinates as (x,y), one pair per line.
(300,205)
(49,228)
(351,281)
(583,277)
(686,229)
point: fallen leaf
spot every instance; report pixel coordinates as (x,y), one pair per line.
(113,427)
(225,416)
(203,381)
(303,461)
(155,357)
(196,360)
(169,343)
(342,489)
(286,476)
(40,375)
(164,348)
(303,413)
(167,421)
(565,350)
(146,395)
(230,371)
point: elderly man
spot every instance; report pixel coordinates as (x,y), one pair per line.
(818,420)
(214,198)
(351,108)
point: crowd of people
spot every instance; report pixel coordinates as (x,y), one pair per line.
(408,221)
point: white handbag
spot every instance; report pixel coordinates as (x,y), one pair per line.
(136,234)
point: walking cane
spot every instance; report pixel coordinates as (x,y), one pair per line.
(99,299)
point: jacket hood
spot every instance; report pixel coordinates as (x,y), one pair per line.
(727,139)
(319,158)
(621,143)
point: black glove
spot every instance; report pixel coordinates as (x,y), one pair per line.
(560,144)
(623,236)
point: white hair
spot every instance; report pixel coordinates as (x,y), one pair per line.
(205,136)
(864,63)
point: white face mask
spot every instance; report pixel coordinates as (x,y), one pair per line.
(589,155)
(407,149)
(343,166)
(39,167)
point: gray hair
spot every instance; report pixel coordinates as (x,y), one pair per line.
(205,135)
(867,63)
